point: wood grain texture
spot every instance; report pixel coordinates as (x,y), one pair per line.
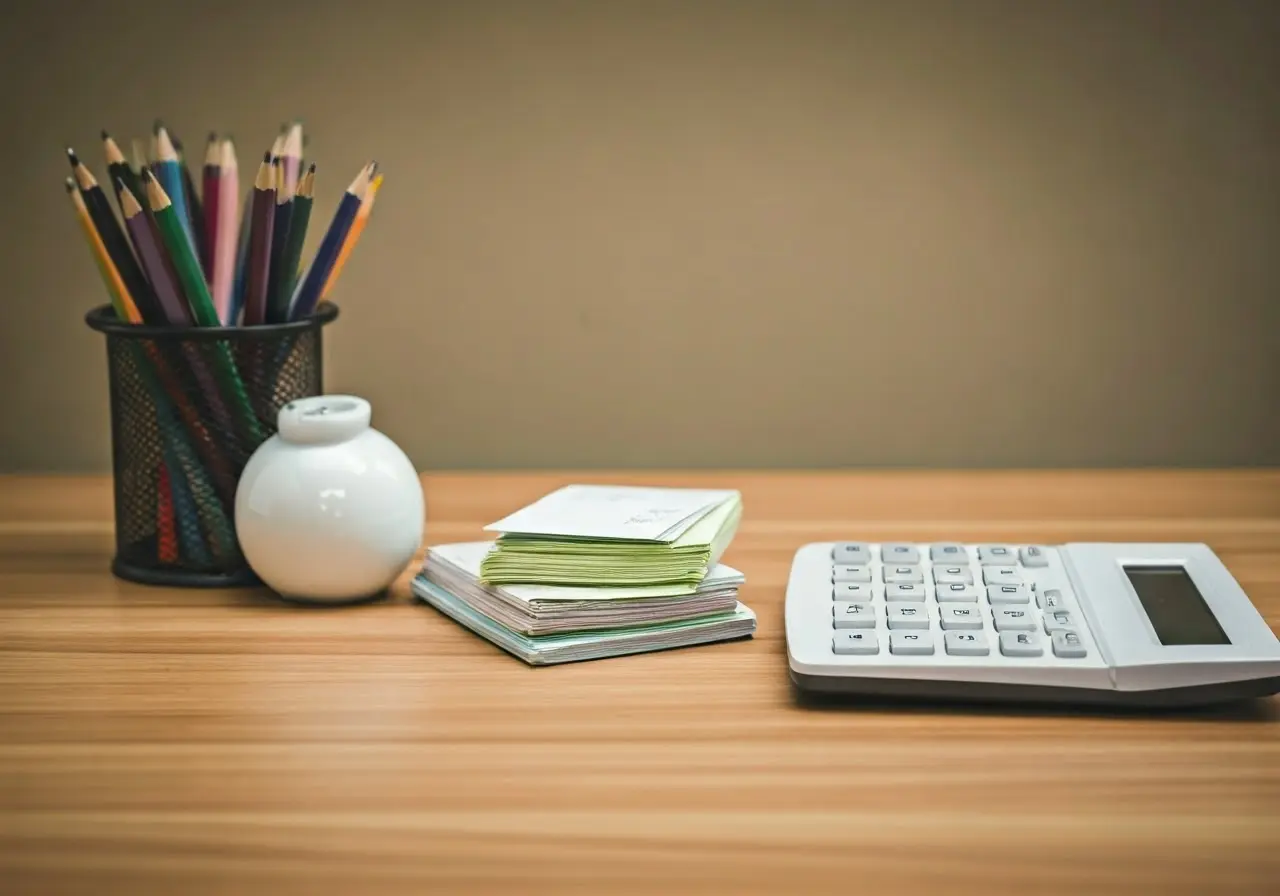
(162,741)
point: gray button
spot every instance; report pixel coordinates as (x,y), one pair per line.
(966,643)
(853,591)
(851,553)
(948,552)
(1012,619)
(998,595)
(996,555)
(851,574)
(899,554)
(956,594)
(1051,599)
(1068,644)
(853,615)
(855,643)
(1059,620)
(1001,575)
(1021,644)
(911,643)
(944,574)
(1033,555)
(961,616)
(907,616)
(904,591)
(894,575)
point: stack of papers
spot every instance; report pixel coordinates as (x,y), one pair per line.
(592,571)
(602,535)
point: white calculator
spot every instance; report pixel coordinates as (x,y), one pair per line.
(1132,624)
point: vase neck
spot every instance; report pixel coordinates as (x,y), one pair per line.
(323,419)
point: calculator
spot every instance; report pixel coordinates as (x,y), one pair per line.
(1131,624)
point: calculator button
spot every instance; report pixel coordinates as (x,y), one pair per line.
(899,553)
(995,555)
(911,643)
(852,591)
(948,552)
(897,575)
(851,574)
(855,643)
(956,594)
(1033,556)
(959,616)
(1001,575)
(1051,599)
(853,615)
(1059,620)
(1012,619)
(904,591)
(907,616)
(1021,644)
(966,643)
(952,575)
(851,553)
(1068,645)
(998,595)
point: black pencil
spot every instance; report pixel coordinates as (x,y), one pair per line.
(113,238)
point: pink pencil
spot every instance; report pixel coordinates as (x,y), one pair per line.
(224,261)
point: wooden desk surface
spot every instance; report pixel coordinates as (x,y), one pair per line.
(156,741)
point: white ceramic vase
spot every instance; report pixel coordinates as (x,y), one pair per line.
(329,510)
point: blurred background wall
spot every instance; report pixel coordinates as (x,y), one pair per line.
(710,233)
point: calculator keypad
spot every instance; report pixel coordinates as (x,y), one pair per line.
(986,600)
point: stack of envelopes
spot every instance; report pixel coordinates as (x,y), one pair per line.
(595,571)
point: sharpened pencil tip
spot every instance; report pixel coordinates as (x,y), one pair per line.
(145,173)
(70,185)
(213,137)
(266,157)
(72,157)
(157,126)
(311,169)
(105,135)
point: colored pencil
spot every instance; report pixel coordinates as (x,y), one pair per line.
(291,258)
(195,214)
(197,291)
(155,261)
(121,300)
(291,159)
(113,238)
(224,255)
(126,310)
(168,171)
(307,293)
(357,227)
(210,196)
(275,301)
(262,225)
(118,170)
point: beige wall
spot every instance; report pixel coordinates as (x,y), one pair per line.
(712,233)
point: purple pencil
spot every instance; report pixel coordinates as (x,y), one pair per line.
(261,225)
(155,261)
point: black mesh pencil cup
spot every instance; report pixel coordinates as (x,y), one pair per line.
(189,406)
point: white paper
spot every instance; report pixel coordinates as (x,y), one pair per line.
(466,557)
(604,511)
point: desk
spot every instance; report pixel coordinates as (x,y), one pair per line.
(157,741)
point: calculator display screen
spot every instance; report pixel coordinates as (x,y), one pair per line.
(1175,606)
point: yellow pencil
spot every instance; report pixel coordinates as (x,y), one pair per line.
(356,227)
(120,297)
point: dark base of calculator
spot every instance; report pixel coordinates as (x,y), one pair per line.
(987,692)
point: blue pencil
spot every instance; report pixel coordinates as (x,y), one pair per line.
(310,287)
(168,170)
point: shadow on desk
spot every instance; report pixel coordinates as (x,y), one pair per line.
(1261,710)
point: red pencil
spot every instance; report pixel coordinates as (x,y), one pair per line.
(209,194)
(261,225)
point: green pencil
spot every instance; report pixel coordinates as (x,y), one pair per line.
(291,256)
(187,267)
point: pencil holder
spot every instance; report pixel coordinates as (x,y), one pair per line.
(188,407)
